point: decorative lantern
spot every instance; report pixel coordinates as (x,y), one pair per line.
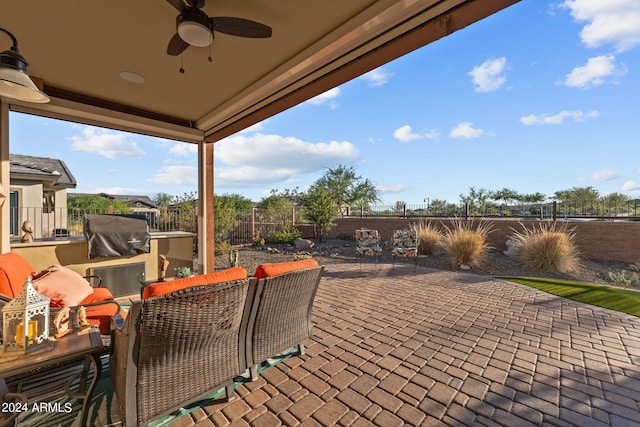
(25,322)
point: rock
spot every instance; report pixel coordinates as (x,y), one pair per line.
(464,267)
(512,247)
(302,244)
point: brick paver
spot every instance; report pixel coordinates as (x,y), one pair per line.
(398,347)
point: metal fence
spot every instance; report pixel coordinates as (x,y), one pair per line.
(244,227)
(68,223)
(629,210)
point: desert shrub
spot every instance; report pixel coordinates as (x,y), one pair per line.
(465,242)
(635,267)
(547,247)
(429,237)
(221,248)
(624,278)
(284,235)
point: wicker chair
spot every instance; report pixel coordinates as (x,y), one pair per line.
(280,316)
(177,348)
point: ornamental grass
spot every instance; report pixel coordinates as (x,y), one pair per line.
(547,246)
(429,237)
(466,242)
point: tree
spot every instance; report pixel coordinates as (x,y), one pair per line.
(163,200)
(346,188)
(476,199)
(508,196)
(277,208)
(320,208)
(226,209)
(225,218)
(533,197)
(184,212)
(94,203)
(437,206)
(614,203)
(578,199)
(238,201)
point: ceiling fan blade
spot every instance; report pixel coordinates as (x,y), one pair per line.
(240,27)
(176,45)
(178,4)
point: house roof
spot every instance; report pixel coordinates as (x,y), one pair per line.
(54,171)
(78,50)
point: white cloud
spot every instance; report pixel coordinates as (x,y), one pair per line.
(250,176)
(615,22)
(405,134)
(631,185)
(263,159)
(176,175)
(377,77)
(557,119)
(604,175)
(327,97)
(466,130)
(183,149)
(107,143)
(489,75)
(594,72)
(393,188)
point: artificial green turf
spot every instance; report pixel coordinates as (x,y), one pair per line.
(618,299)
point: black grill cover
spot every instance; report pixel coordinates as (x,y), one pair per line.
(114,235)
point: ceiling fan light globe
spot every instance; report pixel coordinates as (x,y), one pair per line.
(195,33)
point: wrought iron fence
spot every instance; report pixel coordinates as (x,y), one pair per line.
(248,226)
(68,223)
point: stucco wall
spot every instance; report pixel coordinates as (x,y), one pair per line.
(606,241)
(176,246)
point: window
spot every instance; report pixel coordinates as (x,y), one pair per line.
(13,214)
(48,201)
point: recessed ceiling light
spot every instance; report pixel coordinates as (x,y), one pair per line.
(131,77)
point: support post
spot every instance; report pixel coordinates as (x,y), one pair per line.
(206,226)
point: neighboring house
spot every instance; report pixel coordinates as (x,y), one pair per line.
(139,204)
(38,193)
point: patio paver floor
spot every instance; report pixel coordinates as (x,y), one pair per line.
(395,347)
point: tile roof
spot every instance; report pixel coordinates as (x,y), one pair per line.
(42,168)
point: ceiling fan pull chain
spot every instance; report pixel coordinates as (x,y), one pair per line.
(210,60)
(181,63)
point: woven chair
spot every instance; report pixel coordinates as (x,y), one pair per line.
(177,348)
(405,245)
(368,244)
(280,316)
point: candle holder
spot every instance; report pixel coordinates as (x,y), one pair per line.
(25,322)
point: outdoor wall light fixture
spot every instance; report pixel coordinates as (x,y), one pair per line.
(14,80)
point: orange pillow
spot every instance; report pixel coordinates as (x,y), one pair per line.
(161,288)
(64,287)
(268,270)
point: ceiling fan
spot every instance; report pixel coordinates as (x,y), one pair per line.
(195,28)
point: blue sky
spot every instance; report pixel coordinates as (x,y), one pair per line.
(540,97)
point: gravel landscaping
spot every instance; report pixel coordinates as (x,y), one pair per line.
(340,251)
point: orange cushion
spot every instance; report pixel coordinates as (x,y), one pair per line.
(14,270)
(63,286)
(99,294)
(268,270)
(101,315)
(161,288)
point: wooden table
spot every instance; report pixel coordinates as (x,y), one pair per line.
(69,351)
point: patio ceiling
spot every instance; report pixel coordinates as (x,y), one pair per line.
(77,49)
